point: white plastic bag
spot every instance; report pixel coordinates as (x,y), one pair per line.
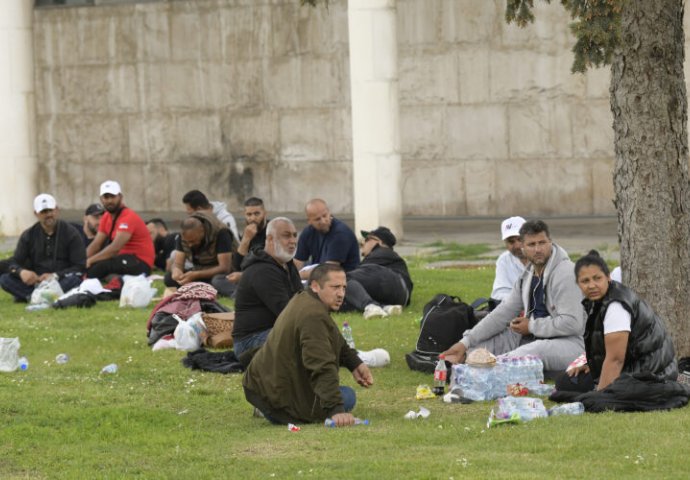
(136,291)
(9,354)
(188,334)
(46,292)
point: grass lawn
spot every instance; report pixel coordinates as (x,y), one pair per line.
(157,419)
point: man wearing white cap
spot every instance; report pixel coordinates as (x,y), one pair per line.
(511,263)
(50,248)
(122,245)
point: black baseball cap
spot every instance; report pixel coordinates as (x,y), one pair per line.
(382,233)
(95,209)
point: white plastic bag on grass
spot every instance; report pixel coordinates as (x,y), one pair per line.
(46,292)
(136,291)
(189,334)
(9,354)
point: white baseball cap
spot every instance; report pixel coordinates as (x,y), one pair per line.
(111,187)
(44,201)
(510,227)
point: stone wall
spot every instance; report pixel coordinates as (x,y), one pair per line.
(251,97)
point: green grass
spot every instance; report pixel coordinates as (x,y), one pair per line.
(441,250)
(157,419)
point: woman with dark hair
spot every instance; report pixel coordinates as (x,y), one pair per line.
(622,334)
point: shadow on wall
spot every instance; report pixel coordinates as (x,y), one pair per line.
(241,179)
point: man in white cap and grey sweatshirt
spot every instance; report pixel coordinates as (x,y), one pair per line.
(511,263)
(51,248)
(123,245)
(543,315)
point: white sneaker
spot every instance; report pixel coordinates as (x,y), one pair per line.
(373,310)
(377,357)
(392,309)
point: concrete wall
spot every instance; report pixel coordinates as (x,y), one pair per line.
(251,97)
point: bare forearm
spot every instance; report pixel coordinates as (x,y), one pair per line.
(610,371)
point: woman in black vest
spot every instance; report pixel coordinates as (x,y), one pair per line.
(622,335)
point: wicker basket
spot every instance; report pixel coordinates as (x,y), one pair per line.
(218,324)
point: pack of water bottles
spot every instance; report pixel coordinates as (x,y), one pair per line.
(491,382)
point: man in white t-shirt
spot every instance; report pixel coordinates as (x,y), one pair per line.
(511,263)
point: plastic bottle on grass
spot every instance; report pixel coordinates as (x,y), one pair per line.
(347,334)
(574,408)
(440,375)
(112,368)
(62,358)
(331,424)
(23,363)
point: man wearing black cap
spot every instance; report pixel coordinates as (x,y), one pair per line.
(89,226)
(381,285)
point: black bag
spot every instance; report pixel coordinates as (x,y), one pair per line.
(483,306)
(444,319)
(79,300)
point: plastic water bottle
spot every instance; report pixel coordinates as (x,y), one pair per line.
(440,374)
(23,363)
(112,368)
(574,408)
(347,334)
(329,422)
(62,358)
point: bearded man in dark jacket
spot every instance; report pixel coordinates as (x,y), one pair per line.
(51,248)
(269,280)
(381,285)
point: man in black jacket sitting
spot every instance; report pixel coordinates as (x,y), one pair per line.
(269,280)
(381,285)
(51,248)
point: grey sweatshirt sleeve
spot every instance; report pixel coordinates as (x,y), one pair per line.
(498,320)
(563,301)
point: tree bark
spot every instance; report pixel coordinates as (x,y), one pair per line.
(649,105)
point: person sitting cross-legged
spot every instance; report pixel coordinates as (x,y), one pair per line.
(542,315)
(269,280)
(207,245)
(51,248)
(122,245)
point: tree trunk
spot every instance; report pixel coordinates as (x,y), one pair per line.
(649,105)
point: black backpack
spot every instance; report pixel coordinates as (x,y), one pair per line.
(444,319)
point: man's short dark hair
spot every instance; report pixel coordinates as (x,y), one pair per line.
(534,227)
(196,199)
(321,272)
(254,202)
(158,222)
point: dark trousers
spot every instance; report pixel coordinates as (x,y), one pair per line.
(374,284)
(5,265)
(22,292)
(120,265)
(279,417)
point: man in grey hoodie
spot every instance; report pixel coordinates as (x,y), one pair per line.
(195,201)
(543,315)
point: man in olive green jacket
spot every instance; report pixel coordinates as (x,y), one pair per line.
(293,377)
